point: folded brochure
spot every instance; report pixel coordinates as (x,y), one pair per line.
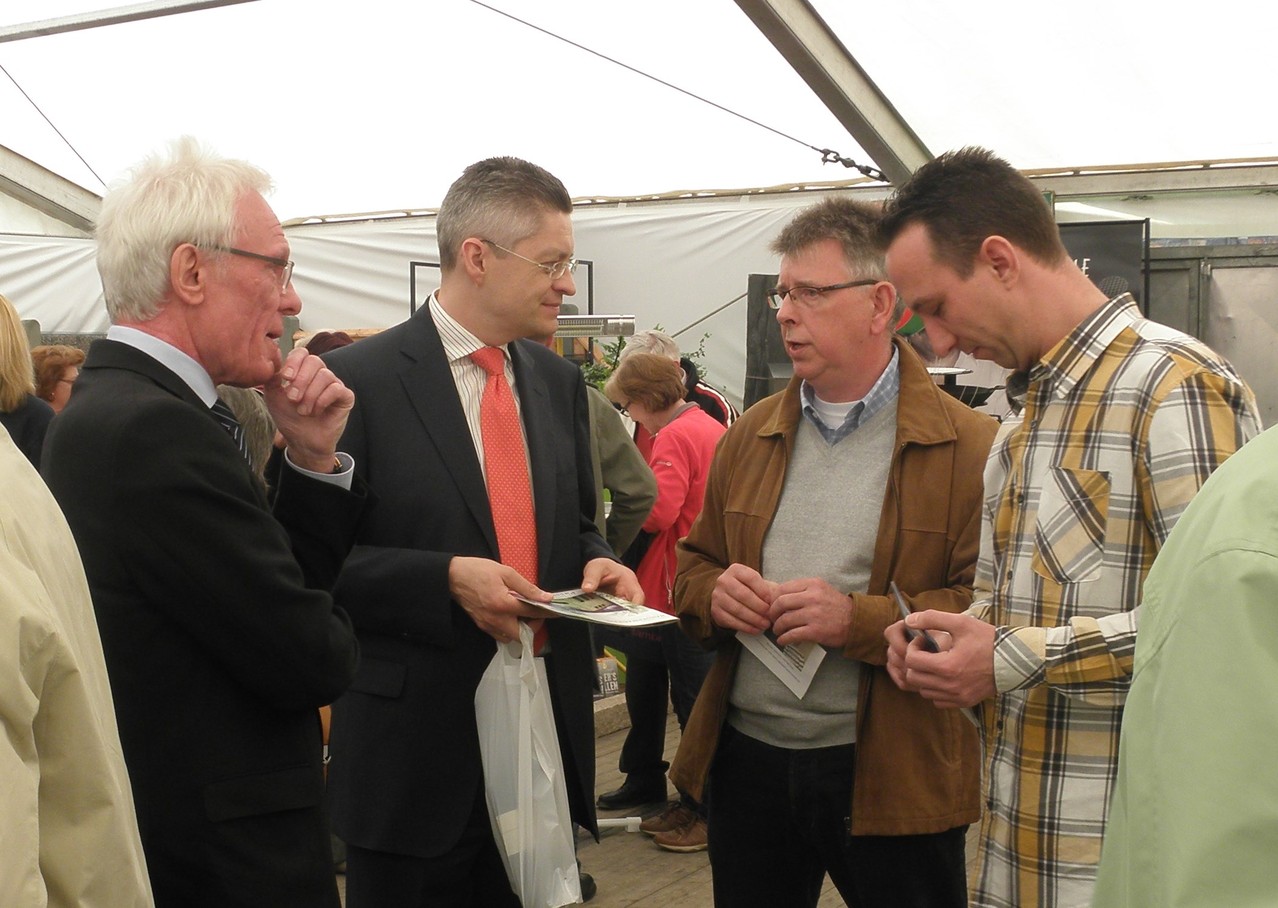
(602,608)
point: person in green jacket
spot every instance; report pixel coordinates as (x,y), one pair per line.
(1194,818)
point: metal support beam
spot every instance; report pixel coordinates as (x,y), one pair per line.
(114,16)
(1138,179)
(28,182)
(817,55)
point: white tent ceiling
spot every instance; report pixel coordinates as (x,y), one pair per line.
(379,105)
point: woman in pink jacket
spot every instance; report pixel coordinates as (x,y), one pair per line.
(665,666)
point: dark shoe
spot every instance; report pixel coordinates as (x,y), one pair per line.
(670,819)
(685,839)
(633,794)
(588,887)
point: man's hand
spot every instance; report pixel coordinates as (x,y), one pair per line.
(483,588)
(741,599)
(810,610)
(611,577)
(962,674)
(898,644)
(310,406)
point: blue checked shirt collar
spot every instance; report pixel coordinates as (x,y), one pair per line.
(880,395)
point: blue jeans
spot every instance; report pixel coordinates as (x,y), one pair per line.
(778,822)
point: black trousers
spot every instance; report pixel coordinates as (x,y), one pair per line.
(778,823)
(654,679)
(471,875)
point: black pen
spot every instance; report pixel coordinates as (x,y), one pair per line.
(929,644)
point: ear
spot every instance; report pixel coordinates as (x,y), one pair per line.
(999,255)
(883,299)
(187,275)
(470,258)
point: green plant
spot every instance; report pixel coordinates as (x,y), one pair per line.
(596,372)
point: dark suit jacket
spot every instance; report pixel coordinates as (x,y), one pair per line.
(406,767)
(27,424)
(220,642)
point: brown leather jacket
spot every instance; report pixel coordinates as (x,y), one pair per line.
(917,767)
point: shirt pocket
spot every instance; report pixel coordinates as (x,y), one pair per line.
(1069,533)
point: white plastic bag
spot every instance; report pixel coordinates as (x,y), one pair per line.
(524,777)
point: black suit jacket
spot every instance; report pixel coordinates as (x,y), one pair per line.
(405,768)
(220,642)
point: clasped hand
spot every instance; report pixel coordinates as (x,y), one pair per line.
(796,611)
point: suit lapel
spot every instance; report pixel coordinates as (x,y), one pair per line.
(428,382)
(534,401)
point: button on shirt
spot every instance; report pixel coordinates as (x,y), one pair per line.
(1124,420)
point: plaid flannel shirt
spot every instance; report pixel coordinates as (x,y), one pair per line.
(1124,420)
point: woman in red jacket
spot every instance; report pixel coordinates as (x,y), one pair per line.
(665,665)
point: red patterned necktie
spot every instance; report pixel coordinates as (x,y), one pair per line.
(506,470)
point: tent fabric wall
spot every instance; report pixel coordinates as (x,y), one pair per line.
(53,280)
(18,217)
(666,264)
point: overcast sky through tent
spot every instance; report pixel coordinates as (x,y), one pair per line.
(379,105)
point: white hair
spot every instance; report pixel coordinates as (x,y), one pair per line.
(188,196)
(651,340)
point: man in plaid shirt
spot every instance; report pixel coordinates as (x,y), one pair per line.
(1123,420)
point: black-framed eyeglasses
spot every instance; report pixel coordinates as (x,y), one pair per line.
(623,409)
(556,270)
(809,297)
(284,264)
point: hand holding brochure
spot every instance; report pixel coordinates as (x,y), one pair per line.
(602,608)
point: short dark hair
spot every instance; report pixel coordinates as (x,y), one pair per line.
(324,341)
(852,224)
(499,199)
(964,196)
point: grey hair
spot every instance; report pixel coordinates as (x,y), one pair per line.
(502,200)
(650,340)
(851,223)
(188,196)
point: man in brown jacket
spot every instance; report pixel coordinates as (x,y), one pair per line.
(859,473)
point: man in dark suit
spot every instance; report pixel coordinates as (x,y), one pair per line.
(425,584)
(220,639)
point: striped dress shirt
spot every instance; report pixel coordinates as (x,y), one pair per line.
(459,344)
(1124,420)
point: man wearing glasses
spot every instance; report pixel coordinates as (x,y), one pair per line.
(429,584)
(220,640)
(861,472)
